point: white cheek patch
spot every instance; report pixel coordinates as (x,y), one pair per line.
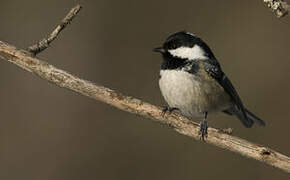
(191,53)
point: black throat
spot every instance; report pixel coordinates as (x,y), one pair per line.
(169,62)
(174,63)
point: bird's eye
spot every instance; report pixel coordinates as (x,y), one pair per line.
(173,46)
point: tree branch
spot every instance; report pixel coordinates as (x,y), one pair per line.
(179,123)
(44,43)
(279,7)
(220,138)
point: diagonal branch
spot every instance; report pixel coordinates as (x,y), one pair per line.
(179,123)
(279,7)
(44,43)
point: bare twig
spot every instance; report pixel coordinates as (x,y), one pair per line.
(44,43)
(279,7)
(179,123)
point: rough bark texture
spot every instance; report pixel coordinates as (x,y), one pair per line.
(279,7)
(179,123)
(44,43)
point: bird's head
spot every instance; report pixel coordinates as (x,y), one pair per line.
(185,46)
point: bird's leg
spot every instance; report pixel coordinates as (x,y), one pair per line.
(203,127)
(169,109)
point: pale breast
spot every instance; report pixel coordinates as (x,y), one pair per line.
(191,94)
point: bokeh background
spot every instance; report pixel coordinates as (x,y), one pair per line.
(51,133)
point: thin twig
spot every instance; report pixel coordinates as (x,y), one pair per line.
(279,7)
(179,123)
(44,43)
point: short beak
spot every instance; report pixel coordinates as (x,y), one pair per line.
(159,49)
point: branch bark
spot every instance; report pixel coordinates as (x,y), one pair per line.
(44,43)
(279,7)
(182,125)
(220,138)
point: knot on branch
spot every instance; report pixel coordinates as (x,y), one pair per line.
(266,154)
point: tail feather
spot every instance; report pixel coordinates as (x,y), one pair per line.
(249,120)
(255,118)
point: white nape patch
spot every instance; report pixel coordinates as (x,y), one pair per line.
(190,34)
(196,52)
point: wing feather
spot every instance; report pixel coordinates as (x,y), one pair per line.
(213,68)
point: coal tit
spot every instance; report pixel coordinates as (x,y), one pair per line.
(192,82)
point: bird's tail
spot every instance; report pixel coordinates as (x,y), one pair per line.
(249,120)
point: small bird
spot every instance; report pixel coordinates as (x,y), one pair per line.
(192,82)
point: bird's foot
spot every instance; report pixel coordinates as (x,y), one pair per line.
(169,109)
(203,130)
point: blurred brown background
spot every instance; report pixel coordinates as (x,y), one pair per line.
(50,133)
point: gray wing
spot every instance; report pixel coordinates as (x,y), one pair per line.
(213,68)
